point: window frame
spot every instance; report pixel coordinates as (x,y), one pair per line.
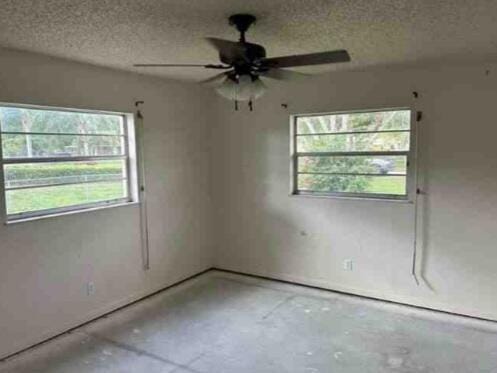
(129,156)
(410,159)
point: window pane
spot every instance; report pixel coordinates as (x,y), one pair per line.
(37,120)
(32,174)
(26,200)
(30,146)
(355,122)
(354,164)
(361,142)
(395,185)
(37,183)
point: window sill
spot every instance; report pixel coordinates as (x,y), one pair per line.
(73,212)
(353,198)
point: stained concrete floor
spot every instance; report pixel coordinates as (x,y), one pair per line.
(226,323)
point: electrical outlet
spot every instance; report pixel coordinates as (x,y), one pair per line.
(347,265)
(90,288)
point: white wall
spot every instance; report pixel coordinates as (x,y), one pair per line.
(264,231)
(196,143)
(45,264)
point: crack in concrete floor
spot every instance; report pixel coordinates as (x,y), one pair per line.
(141,352)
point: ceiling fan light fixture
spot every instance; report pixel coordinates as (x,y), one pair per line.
(259,88)
(227,89)
(243,63)
(245,88)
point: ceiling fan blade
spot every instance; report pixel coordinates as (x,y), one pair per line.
(231,52)
(307,59)
(208,66)
(218,78)
(281,74)
(223,45)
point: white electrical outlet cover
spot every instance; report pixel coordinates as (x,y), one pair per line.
(90,288)
(347,265)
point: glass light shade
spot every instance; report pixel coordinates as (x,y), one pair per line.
(245,89)
(228,89)
(258,88)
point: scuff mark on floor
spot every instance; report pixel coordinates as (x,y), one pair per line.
(275,308)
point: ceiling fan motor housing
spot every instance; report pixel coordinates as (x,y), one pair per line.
(242,53)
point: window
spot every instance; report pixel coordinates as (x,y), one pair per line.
(355,154)
(57,160)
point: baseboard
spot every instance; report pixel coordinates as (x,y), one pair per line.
(98,314)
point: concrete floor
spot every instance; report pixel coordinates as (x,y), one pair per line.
(225,323)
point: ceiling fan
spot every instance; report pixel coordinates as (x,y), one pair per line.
(245,63)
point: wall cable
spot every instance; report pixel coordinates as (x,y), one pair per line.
(140,159)
(417,192)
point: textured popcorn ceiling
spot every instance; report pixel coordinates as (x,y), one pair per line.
(117,33)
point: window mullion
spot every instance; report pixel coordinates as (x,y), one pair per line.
(352,154)
(107,180)
(350,174)
(351,133)
(63,159)
(61,134)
